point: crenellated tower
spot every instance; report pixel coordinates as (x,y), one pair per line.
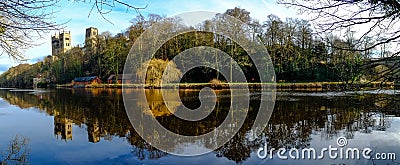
(91,40)
(61,42)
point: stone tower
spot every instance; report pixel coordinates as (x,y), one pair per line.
(60,43)
(91,40)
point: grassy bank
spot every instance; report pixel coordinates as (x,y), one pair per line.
(282,86)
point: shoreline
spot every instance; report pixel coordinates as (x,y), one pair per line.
(318,86)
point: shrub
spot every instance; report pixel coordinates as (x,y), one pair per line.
(216,84)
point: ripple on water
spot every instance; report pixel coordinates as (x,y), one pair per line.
(7,88)
(23,90)
(31,91)
(339,94)
(383,91)
(315,94)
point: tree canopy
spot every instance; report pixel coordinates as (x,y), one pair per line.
(297,53)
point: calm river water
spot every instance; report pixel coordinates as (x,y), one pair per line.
(90,126)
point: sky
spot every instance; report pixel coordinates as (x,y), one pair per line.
(76,17)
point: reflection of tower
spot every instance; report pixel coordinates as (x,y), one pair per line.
(63,127)
(91,40)
(381,121)
(93,131)
(60,43)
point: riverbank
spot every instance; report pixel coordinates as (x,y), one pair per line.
(283,86)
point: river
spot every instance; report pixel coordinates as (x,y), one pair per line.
(91,126)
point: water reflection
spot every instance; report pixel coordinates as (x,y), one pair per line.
(63,127)
(17,151)
(156,105)
(294,121)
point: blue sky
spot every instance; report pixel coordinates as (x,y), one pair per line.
(76,16)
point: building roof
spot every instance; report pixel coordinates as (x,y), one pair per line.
(84,79)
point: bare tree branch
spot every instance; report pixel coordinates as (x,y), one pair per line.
(23,22)
(377,23)
(382,17)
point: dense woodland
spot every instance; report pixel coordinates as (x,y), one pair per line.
(298,54)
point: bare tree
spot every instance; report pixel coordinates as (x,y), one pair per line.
(104,7)
(376,21)
(381,17)
(23,22)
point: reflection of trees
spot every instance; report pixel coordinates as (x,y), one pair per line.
(236,149)
(291,124)
(183,127)
(142,149)
(155,104)
(16,153)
